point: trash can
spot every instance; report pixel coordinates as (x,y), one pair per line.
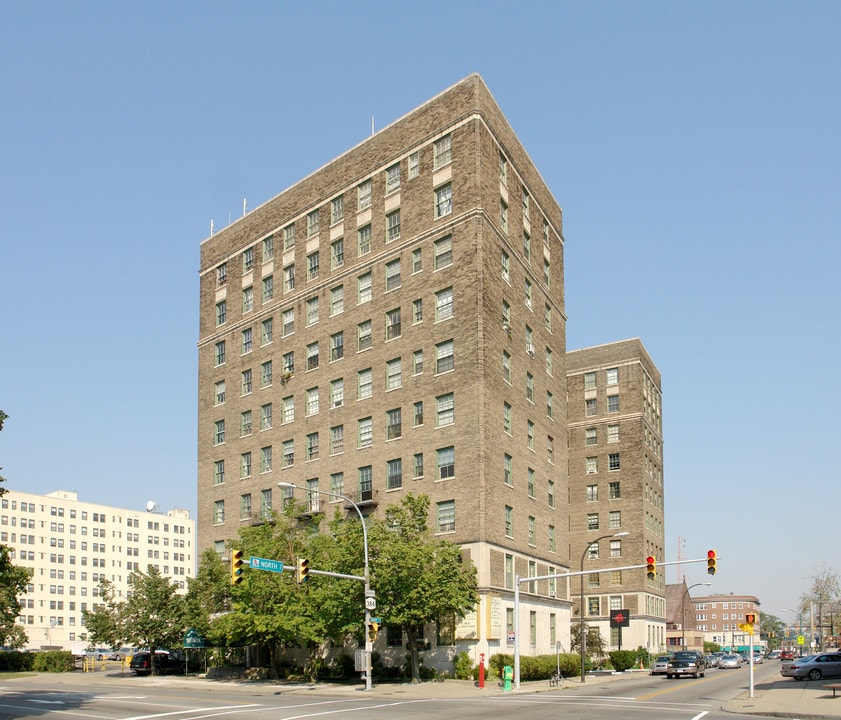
(507,676)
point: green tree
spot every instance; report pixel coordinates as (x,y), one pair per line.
(418,579)
(154,615)
(13,582)
(820,598)
(772,628)
(104,622)
(208,595)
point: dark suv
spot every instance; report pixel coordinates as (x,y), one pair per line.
(165,663)
(687,662)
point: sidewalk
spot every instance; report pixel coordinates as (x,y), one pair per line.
(786,697)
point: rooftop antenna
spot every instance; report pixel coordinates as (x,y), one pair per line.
(244,207)
(681,556)
(372,124)
(211,226)
(152,506)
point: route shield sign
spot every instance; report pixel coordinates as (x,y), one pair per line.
(620,618)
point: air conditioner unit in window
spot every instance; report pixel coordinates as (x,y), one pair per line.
(551,593)
(530,349)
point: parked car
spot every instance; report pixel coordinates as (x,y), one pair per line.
(729,661)
(121,653)
(97,653)
(165,663)
(687,662)
(711,660)
(758,659)
(813,667)
(774,655)
(786,654)
(658,667)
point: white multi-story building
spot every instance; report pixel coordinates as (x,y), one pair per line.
(70,546)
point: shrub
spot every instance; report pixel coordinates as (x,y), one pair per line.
(540,667)
(622,659)
(463,666)
(53,661)
(16,661)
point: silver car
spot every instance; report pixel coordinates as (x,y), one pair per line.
(813,667)
(729,661)
(660,665)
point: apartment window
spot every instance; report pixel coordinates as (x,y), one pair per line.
(414,165)
(337,392)
(337,209)
(266,459)
(218,472)
(442,252)
(506,367)
(589,380)
(363,336)
(337,439)
(592,521)
(508,470)
(312,266)
(445,409)
(417,362)
(612,433)
(612,376)
(392,275)
(246,382)
(526,204)
(444,200)
(530,434)
(550,487)
(364,384)
(266,416)
(288,405)
(615,548)
(392,178)
(547,317)
(219,432)
(441,152)
(392,324)
(591,436)
(614,519)
(503,215)
(614,490)
(529,341)
(446,516)
(221,313)
(613,461)
(312,311)
(417,466)
(268,248)
(337,253)
(365,432)
(363,195)
(312,223)
(393,374)
(312,401)
(550,405)
(546,273)
(446,461)
(312,356)
(247,339)
(266,374)
(337,346)
(506,267)
(221,274)
(526,245)
(363,240)
(549,361)
(288,278)
(266,332)
(248,299)
(219,394)
(288,237)
(394,474)
(503,169)
(247,260)
(444,304)
(219,512)
(590,407)
(337,300)
(551,549)
(288,322)
(268,288)
(509,521)
(530,482)
(591,465)
(532,535)
(393,424)
(245,465)
(529,387)
(506,317)
(288,453)
(506,418)
(312,446)
(417,415)
(527,286)
(417,311)
(444,357)
(363,288)
(417,261)
(392,225)
(613,403)
(288,364)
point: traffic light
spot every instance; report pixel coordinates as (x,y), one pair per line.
(711,560)
(651,567)
(236,567)
(303,570)
(373,629)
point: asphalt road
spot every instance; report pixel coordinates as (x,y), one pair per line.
(112,696)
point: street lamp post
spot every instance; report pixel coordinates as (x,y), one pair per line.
(582,634)
(366,573)
(683,610)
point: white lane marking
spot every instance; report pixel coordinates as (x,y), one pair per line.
(184,712)
(700,715)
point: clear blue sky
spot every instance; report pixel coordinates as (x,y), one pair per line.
(694,147)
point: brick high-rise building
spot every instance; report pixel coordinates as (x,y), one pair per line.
(616,488)
(395,323)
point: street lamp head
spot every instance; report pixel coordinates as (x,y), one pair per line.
(621,534)
(286,484)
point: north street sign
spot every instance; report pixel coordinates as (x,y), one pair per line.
(258,563)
